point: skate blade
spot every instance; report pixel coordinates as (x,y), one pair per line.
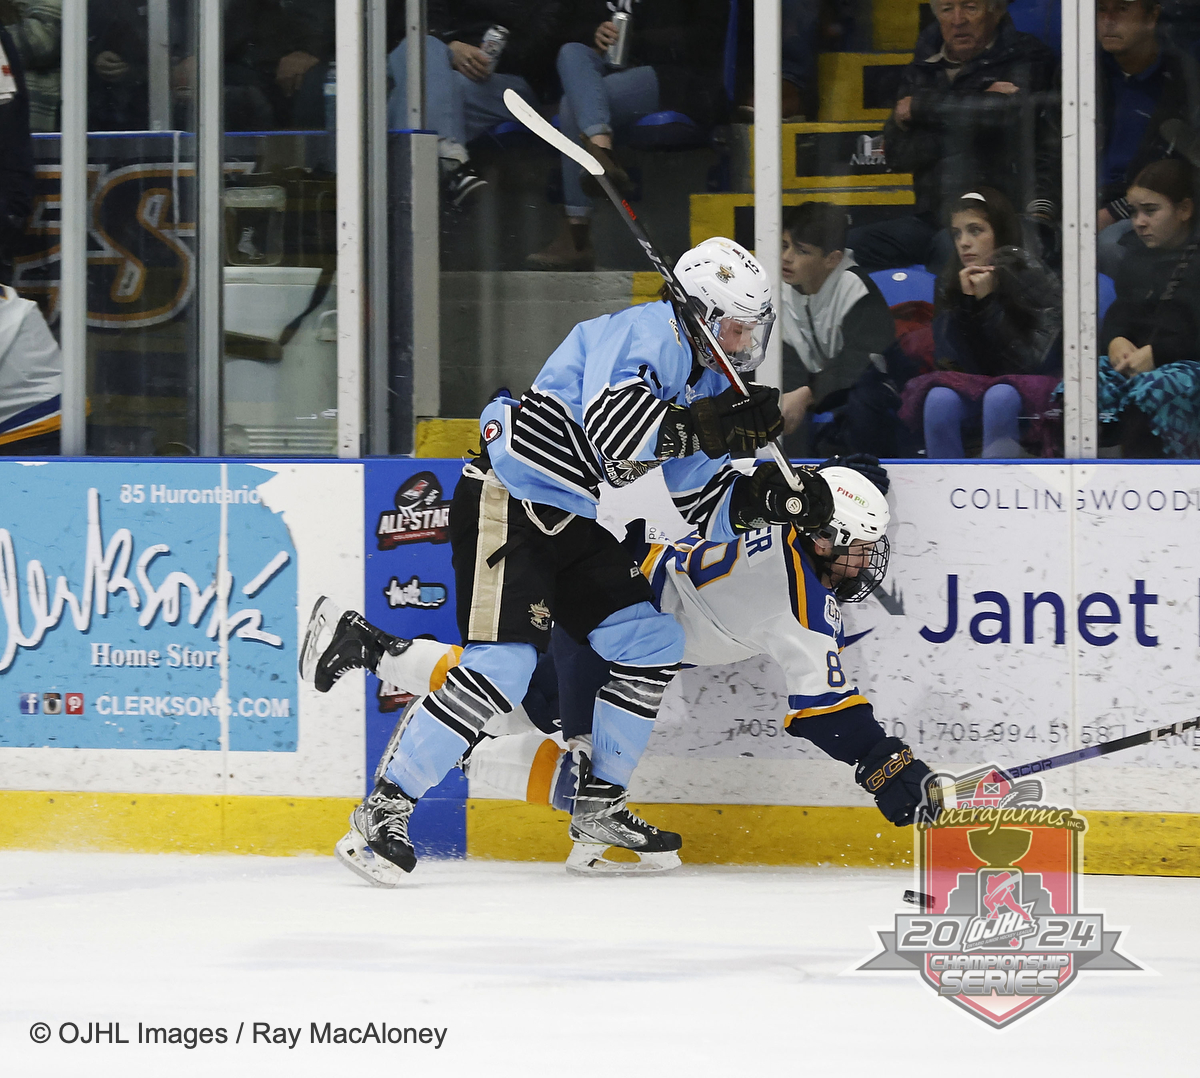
(318,635)
(587,859)
(353,852)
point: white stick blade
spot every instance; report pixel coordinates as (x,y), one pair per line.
(546,131)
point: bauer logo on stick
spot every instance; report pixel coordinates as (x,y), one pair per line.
(1002,930)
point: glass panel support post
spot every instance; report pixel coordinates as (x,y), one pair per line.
(416,26)
(377,234)
(1080,312)
(768,177)
(158,63)
(350,215)
(210,261)
(73,206)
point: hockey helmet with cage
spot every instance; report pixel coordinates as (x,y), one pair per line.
(726,282)
(860,514)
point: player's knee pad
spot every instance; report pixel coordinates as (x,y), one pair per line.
(639,635)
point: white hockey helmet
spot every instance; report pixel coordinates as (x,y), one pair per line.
(860,513)
(727,283)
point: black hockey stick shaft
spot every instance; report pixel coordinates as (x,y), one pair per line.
(1090,752)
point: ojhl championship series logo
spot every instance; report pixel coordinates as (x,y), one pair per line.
(1001,931)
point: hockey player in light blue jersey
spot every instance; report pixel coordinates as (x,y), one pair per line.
(623,394)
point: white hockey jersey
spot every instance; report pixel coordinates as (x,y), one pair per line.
(759,595)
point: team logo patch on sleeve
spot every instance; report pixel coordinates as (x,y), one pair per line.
(492,430)
(833,613)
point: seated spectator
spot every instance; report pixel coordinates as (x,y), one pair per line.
(1143,84)
(1150,340)
(674,63)
(464,89)
(996,333)
(833,317)
(976,105)
(16,155)
(36,30)
(30,379)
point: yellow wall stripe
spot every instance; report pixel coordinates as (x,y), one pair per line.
(1117,843)
(171,823)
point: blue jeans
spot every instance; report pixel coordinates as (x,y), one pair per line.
(455,107)
(595,103)
(946,411)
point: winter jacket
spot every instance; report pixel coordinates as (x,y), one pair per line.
(1014,330)
(1177,80)
(1139,314)
(962,135)
(834,332)
(16,162)
(37,34)
(683,40)
(534,33)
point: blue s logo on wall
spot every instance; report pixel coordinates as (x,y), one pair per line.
(156,602)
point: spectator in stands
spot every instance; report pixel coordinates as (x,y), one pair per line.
(833,318)
(36,29)
(996,336)
(16,155)
(1150,371)
(978,104)
(276,55)
(1143,84)
(464,92)
(674,64)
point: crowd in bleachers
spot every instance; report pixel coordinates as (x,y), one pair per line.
(935,330)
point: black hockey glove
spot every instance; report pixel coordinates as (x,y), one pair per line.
(763,497)
(740,425)
(680,435)
(863,463)
(895,778)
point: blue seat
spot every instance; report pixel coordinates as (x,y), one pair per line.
(1042,18)
(666,131)
(1106,292)
(510,134)
(905,285)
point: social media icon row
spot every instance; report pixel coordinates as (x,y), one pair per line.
(52,703)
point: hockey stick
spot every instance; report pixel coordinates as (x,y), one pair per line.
(697,332)
(944,794)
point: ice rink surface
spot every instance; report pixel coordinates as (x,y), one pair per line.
(531,972)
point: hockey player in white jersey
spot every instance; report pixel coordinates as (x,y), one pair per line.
(624,393)
(773,591)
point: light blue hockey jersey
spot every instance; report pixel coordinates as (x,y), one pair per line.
(592,416)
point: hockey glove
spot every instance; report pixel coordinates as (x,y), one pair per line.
(763,497)
(863,463)
(895,778)
(681,435)
(740,425)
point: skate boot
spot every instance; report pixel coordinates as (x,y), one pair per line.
(600,820)
(377,846)
(334,645)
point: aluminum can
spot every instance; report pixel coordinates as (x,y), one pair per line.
(618,52)
(493,44)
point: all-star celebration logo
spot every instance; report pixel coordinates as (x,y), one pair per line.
(1002,930)
(420,516)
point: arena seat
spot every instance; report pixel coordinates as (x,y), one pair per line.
(903,285)
(667,131)
(1106,292)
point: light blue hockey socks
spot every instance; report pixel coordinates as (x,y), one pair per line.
(449,721)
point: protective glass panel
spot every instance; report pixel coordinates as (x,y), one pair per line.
(1148,150)
(917,321)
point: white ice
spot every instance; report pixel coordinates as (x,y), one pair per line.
(708,971)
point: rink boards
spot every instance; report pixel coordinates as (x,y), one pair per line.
(1029,608)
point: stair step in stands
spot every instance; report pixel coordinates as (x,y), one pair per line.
(859,85)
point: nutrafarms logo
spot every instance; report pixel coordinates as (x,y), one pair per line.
(1002,930)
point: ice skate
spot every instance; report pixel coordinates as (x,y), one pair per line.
(377,846)
(601,821)
(336,642)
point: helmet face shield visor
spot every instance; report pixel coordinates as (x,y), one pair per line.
(744,340)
